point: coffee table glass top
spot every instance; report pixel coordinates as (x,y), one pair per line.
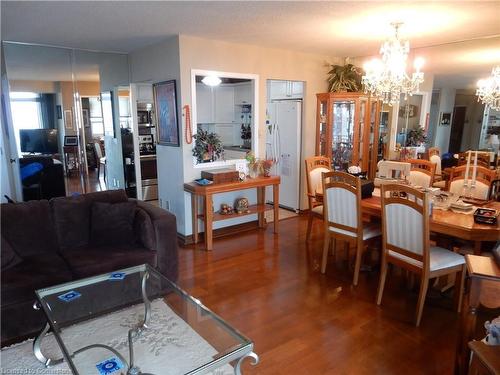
(138,321)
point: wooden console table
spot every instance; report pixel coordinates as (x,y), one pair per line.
(209,216)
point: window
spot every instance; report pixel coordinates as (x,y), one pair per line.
(26,112)
(96,122)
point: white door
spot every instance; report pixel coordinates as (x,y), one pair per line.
(286,119)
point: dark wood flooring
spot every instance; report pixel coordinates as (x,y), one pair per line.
(75,183)
(302,322)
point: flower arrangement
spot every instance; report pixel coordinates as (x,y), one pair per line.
(258,167)
(207,146)
(416,137)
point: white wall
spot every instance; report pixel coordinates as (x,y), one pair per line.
(268,63)
(446,104)
(157,63)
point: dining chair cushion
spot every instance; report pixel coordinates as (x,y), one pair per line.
(440,184)
(418,178)
(315,178)
(404,227)
(439,259)
(369,231)
(436,159)
(342,207)
(479,192)
(318,210)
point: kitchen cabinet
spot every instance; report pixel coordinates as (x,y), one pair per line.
(204,104)
(243,93)
(225,132)
(285,90)
(144,93)
(224,104)
(347,129)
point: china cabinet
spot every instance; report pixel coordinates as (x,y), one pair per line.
(347,130)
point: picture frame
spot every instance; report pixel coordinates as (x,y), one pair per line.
(86,118)
(165,98)
(70,140)
(445,119)
(68,119)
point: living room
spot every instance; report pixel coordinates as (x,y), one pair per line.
(140,82)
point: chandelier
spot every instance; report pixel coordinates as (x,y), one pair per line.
(387,78)
(488,90)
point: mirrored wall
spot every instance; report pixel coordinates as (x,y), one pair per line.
(68,108)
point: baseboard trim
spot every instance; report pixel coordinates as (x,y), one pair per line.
(218,233)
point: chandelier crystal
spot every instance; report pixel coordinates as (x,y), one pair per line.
(488,90)
(387,78)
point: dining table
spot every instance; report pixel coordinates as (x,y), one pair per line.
(447,222)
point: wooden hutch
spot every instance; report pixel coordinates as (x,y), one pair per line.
(347,130)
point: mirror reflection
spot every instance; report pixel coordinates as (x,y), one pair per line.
(224,118)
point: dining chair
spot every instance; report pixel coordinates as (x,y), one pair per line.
(342,216)
(421,172)
(484,179)
(100,160)
(315,166)
(483,158)
(438,182)
(393,169)
(434,151)
(405,243)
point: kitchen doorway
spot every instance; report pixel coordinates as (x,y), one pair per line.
(457,129)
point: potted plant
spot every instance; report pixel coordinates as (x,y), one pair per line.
(416,137)
(207,146)
(344,78)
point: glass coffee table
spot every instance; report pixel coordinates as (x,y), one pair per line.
(136,321)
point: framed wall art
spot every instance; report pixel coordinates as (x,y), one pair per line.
(165,97)
(445,119)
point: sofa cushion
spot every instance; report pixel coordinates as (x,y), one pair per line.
(34,272)
(97,260)
(72,216)
(72,221)
(28,228)
(112,223)
(144,229)
(8,255)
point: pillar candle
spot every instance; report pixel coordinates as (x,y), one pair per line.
(474,171)
(466,179)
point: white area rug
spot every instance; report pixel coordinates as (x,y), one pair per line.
(169,347)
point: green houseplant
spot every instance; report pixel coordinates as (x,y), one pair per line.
(416,137)
(207,146)
(344,78)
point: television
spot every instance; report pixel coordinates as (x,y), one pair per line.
(42,141)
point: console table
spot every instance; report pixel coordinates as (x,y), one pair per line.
(208,215)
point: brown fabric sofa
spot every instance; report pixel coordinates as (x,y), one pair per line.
(45,243)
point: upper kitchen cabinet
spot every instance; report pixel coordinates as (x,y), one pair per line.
(224,104)
(285,90)
(204,104)
(144,93)
(243,93)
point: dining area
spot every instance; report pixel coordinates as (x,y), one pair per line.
(434,236)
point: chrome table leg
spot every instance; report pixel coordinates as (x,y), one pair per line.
(237,368)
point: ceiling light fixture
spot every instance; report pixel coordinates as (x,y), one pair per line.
(211,80)
(387,78)
(488,89)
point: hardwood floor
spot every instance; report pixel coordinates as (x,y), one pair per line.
(302,322)
(75,181)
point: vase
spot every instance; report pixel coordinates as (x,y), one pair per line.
(253,170)
(267,171)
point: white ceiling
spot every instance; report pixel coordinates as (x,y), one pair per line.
(328,28)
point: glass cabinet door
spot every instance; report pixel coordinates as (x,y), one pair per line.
(322,132)
(342,133)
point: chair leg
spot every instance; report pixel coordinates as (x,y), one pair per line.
(309,226)
(424,283)
(381,283)
(98,171)
(357,265)
(459,288)
(326,247)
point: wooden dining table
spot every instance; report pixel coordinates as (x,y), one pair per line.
(455,224)
(447,222)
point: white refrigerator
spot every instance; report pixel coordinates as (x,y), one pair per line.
(283,144)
